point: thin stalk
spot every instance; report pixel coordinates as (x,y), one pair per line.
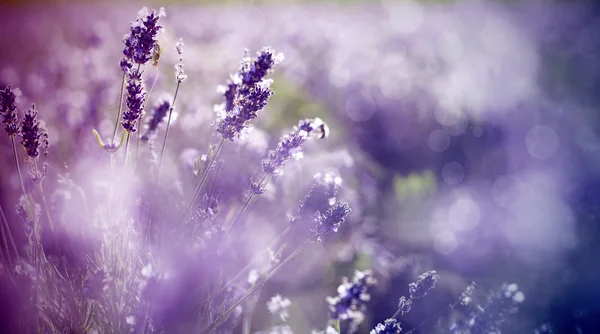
(162,151)
(114,136)
(226,314)
(139,135)
(203,177)
(256,258)
(10,237)
(44,203)
(248,203)
(247,322)
(14,146)
(432,317)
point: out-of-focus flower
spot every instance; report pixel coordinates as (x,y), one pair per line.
(95,285)
(180,75)
(424,283)
(352,296)
(159,112)
(330,221)
(8,109)
(390,326)
(404,305)
(278,306)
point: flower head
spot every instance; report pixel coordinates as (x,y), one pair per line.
(352,296)
(159,112)
(245,94)
(180,75)
(30,133)
(141,39)
(390,326)
(278,306)
(8,109)
(290,145)
(136,96)
(424,283)
(330,221)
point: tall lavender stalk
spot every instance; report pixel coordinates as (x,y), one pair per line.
(246,94)
(33,137)
(8,110)
(289,146)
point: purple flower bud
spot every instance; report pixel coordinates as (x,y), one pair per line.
(8,110)
(30,133)
(141,39)
(136,96)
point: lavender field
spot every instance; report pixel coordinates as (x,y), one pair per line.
(323,167)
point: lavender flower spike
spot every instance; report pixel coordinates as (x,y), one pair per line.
(245,94)
(141,39)
(290,145)
(30,133)
(136,96)
(179,72)
(8,110)
(330,221)
(352,296)
(424,283)
(159,112)
(390,326)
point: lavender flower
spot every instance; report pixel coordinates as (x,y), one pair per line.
(424,283)
(404,305)
(95,285)
(136,96)
(330,221)
(492,315)
(179,72)
(141,39)
(289,146)
(159,112)
(278,306)
(30,133)
(322,194)
(8,110)
(390,326)
(246,94)
(352,296)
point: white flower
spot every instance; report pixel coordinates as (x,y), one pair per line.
(278,305)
